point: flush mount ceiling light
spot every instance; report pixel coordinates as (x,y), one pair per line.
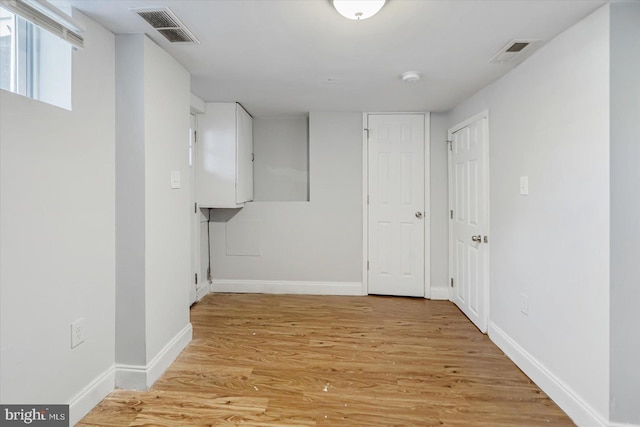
(410,76)
(358,9)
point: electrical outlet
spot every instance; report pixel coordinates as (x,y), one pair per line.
(77,333)
(524,304)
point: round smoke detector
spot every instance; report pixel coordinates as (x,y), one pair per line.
(410,76)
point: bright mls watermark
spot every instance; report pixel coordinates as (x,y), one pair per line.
(34,415)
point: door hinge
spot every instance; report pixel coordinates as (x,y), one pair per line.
(195,208)
(450,143)
(367,199)
(367,131)
(367,265)
(196,278)
(452,282)
(451,214)
(195,136)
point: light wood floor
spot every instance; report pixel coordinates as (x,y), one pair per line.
(274,360)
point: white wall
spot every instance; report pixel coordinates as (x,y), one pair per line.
(153,241)
(439,217)
(168,228)
(281,166)
(625,212)
(130,202)
(549,120)
(285,227)
(57,239)
(317,241)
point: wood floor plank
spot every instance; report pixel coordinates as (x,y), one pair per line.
(287,360)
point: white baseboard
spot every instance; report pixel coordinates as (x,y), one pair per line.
(203,291)
(131,377)
(439,294)
(286,287)
(613,424)
(578,410)
(139,377)
(91,395)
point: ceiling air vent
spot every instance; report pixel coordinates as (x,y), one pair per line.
(167,24)
(515,50)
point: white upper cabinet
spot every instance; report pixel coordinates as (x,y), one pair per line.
(225,156)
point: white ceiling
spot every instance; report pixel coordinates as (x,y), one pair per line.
(278,56)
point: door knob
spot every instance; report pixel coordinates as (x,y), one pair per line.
(418,214)
(477,238)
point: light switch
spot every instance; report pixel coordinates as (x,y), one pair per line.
(175,179)
(524,185)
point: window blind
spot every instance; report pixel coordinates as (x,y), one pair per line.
(47,16)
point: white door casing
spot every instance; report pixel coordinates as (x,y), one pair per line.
(244,170)
(396,214)
(195,225)
(469,218)
(198,285)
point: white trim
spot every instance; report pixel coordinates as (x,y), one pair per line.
(139,377)
(83,402)
(482,115)
(449,219)
(131,377)
(168,354)
(197,105)
(203,291)
(286,287)
(439,294)
(427,198)
(365,204)
(614,424)
(487,193)
(195,226)
(567,399)
(427,205)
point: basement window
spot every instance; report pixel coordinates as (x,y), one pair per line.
(34,62)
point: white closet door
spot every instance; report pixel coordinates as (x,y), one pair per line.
(469,222)
(396,204)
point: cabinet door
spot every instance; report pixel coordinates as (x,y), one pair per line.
(216,181)
(244,171)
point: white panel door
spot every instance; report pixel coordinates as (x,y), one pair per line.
(469,220)
(396,204)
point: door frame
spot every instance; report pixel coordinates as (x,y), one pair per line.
(487,196)
(194,224)
(427,199)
